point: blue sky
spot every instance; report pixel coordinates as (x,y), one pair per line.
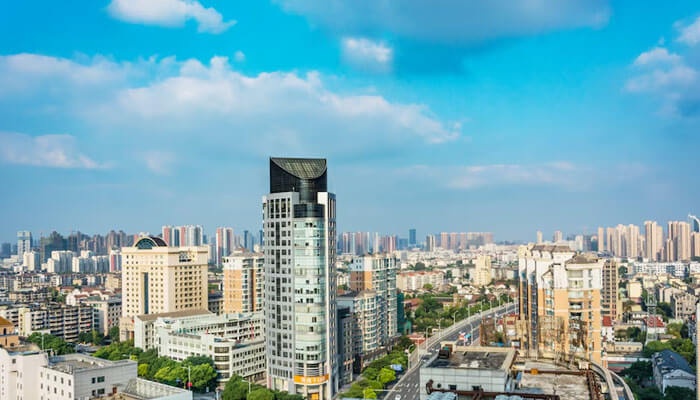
(507,116)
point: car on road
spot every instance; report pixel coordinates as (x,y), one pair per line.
(398,397)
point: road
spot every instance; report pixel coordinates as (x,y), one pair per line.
(408,386)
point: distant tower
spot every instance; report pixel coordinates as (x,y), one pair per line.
(694,225)
(539,237)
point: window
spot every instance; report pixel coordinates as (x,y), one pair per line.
(100,379)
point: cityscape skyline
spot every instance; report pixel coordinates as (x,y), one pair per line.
(545,123)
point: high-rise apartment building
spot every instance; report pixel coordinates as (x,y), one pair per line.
(653,241)
(601,239)
(24,243)
(445,240)
(558,237)
(560,302)
(224,243)
(430,243)
(378,273)
(157,278)
(243,282)
(300,279)
(611,305)
(695,245)
(679,236)
(482,271)
(539,237)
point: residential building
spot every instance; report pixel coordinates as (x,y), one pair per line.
(345,345)
(671,369)
(412,238)
(678,242)
(225,239)
(367,337)
(430,243)
(413,281)
(683,305)
(157,278)
(539,237)
(235,342)
(378,273)
(31,260)
(654,241)
(61,320)
(8,334)
(559,302)
(24,243)
(106,313)
(243,282)
(215,303)
(482,271)
(300,279)
(611,305)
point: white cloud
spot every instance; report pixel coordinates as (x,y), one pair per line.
(218,107)
(239,56)
(690,34)
(562,174)
(657,55)
(159,162)
(59,151)
(169,13)
(663,79)
(450,21)
(366,54)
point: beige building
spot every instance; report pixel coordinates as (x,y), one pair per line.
(482,271)
(678,242)
(611,305)
(159,279)
(244,288)
(695,245)
(560,302)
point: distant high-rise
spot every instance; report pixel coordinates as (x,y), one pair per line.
(412,238)
(224,243)
(694,223)
(653,240)
(679,234)
(300,280)
(558,237)
(539,237)
(601,239)
(24,243)
(430,243)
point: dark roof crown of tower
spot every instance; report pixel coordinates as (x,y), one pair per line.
(302,168)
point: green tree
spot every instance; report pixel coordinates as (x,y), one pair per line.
(96,338)
(84,337)
(114,333)
(369,394)
(679,393)
(203,377)
(428,286)
(236,389)
(47,341)
(639,372)
(260,394)
(142,370)
(370,373)
(386,375)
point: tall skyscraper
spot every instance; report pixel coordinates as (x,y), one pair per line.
(157,278)
(601,239)
(377,272)
(539,237)
(300,279)
(610,302)
(24,243)
(679,235)
(412,238)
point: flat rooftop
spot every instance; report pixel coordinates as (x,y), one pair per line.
(72,363)
(569,387)
(471,360)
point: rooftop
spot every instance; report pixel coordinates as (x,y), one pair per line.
(303,168)
(668,360)
(174,314)
(72,363)
(479,358)
(141,389)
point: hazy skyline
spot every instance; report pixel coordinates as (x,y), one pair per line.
(478,116)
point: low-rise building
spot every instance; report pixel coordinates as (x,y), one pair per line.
(413,281)
(683,305)
(235,342)
(8,334)
(106,313)
(671,369)
(78,376)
